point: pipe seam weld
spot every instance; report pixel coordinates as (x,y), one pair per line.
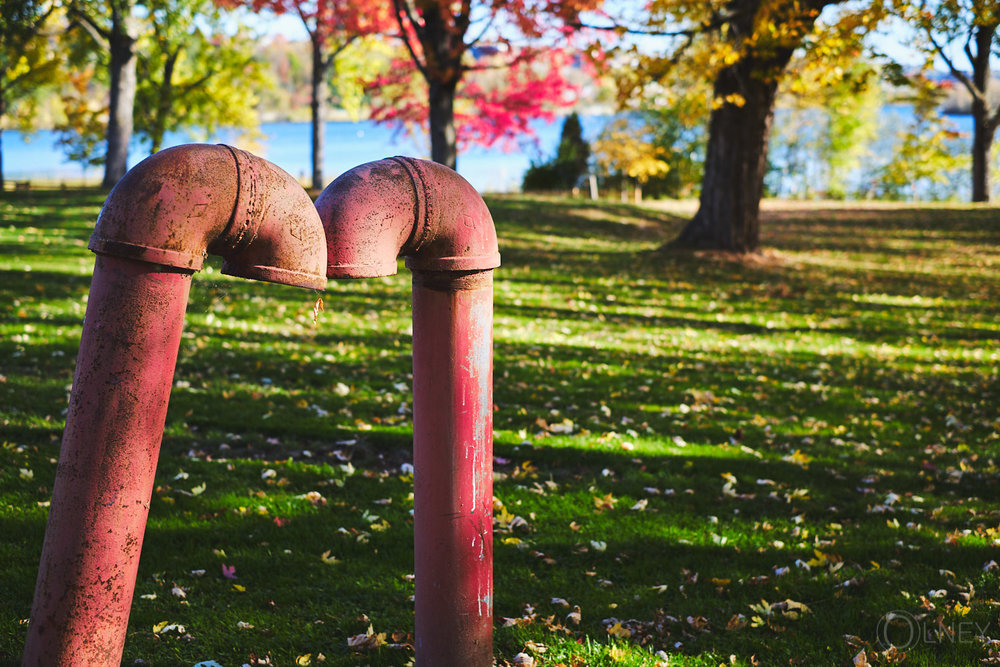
(421,205)
(404,207)
(246,218)
(181,204)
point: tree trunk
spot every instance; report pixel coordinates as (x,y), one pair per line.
(3,113)
(982,127)
(982,140)
(735,163)
(123,87)
(441,99)
(165,102)
(320,66)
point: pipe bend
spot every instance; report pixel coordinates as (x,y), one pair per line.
(182,203)
(401,206)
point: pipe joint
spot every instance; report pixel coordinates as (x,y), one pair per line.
(180,204)
(401,206)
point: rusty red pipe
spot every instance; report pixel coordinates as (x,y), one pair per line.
(154,231)
(431,216)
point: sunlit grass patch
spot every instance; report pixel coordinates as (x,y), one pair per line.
(698,460)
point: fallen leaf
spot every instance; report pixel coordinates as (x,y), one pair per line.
(574,616)
(523,660)
(617,630)
(605,502)
(367,641)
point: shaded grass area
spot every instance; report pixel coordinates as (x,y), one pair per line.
(784,460)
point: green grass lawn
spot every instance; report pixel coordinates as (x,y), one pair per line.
(789,460)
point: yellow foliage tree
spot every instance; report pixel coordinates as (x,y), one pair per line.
(742,49)
(622,148)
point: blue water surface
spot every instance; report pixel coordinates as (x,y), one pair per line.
(496,169)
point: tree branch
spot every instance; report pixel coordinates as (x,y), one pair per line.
(957,73)
(332,56)
(716,21)
(403,9)
(486,27)
(97,33)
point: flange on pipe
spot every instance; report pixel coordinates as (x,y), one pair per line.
(430,215)
(156,227)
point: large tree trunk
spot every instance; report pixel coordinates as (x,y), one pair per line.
(735,163)
(441,38)
(728,216)
(441,98)
(320,66)
(123,87)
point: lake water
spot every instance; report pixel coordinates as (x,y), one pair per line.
(496,169)
(37,157)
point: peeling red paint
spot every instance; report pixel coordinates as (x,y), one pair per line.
(453,470)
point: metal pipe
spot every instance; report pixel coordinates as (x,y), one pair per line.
(402,207)
(453,464)
(430,215)
(154,231)
(104,481)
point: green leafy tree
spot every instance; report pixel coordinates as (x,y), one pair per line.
(852,107)
(924,156)
(194,76)
(684,144)
(28,64)
(827,131)
(972,26)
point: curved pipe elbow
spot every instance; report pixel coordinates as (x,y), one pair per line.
(400,206)
(180,204)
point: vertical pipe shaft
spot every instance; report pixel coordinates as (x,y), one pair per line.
(104,480)
(453,464)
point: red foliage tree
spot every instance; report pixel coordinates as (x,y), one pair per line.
(332,26)
(446,40)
